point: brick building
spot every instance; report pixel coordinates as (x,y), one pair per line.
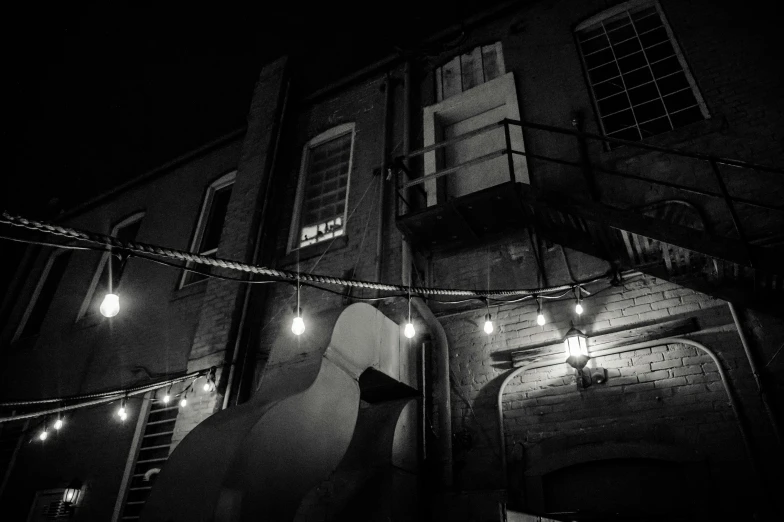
(616,151)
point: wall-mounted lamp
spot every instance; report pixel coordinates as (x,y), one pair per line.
(576,347)
(72,493)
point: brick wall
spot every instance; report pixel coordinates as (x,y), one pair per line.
(668,395)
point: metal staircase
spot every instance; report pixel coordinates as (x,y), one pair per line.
(726,240)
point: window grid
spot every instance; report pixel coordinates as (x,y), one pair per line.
(642,105)
(326,185)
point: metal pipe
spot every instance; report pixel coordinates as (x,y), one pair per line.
(382,178)
(441,388)
(755,372)
(637,346)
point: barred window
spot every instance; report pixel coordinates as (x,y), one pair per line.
(323,189)
(638,77)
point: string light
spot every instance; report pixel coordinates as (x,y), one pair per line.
(578,307)
(298,325)
(409,330)
(208,382)
(58,423)
(44,434)
(540,320)
(184,400)
(488,320)
(167,397)
(122,412)
(110,306)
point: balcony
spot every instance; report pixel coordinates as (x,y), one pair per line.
(668,212)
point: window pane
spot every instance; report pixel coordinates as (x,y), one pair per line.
(643,69)
(466,71)
(216,217)
(45,295)
(324,199)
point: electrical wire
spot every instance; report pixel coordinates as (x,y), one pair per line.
(144,248)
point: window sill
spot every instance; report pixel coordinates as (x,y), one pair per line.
(671,139)
(314,250)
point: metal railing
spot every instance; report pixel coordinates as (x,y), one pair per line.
(586,166)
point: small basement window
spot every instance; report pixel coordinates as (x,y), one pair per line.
(638,76)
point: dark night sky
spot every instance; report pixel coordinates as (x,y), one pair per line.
(102,93)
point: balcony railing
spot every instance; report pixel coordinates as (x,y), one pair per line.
(412,196)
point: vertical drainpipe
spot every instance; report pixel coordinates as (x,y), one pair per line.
(756,374)
(382,180)
(439,340)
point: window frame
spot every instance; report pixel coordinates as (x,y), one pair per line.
(83,310)
(438,72)
(328,135)
(201,223)
(614,11)
(37,293)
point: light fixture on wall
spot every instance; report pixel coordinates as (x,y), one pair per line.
(409,330)
(298,325)
(72,493)
(576,348)
(488,320)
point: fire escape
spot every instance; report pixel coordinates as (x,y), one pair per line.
(709,223)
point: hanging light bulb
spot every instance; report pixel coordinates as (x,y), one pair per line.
(43,435)
(298,325)
(58,424)
(122,412)
(488,325)
(167,397)
(488,319)
(409,330)
(208,382)
(578,307)
(110,306)
(184,401)
(540,320)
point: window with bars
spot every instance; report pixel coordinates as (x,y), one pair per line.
(468,70)
(152,449)
(210,224)
(323,187)
(638,77)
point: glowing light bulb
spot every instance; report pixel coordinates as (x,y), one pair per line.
(123,416)
(488,325)
(43,435)
(183,402)
(298,326)
(540,319)
(110,306)
(166,398)
(121,412)
(578,308)
(58,424)
(207,386)
(409,331)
